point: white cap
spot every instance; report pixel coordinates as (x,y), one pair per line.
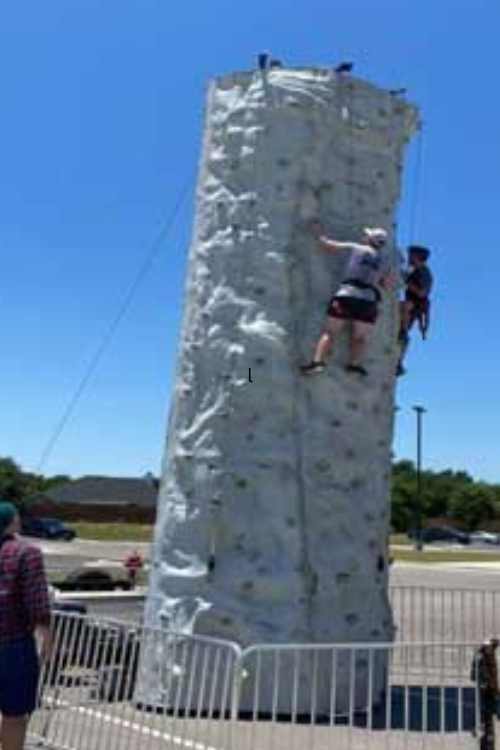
(377,234)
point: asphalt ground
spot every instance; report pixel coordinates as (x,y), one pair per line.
(114,726)
(62,557)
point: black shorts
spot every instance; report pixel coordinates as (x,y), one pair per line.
(18,676)
(352,308)
(420,304)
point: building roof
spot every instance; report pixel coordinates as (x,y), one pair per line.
(92,490)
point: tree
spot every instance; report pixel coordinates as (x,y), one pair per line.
(17,485)
(13,482)
(402,509)
(472,504)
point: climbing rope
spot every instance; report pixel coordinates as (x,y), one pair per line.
(155,248)
(417,186)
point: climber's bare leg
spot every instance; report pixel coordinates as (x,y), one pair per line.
(406,318)
(359,337)
(332,327)
(404,315)
(406,321)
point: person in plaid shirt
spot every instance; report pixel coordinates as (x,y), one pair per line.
(24,609)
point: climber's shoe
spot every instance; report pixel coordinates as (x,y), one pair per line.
(400,371)
(357,368)
(313,368)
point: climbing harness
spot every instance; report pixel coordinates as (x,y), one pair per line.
(363,285)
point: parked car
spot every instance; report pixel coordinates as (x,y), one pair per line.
(92,580)
(441,534)
(484,537)
(46,528)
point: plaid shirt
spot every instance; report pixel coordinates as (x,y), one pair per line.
(24,596)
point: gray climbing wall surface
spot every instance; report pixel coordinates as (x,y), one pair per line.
(273,512)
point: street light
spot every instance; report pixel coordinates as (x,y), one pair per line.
(420,411)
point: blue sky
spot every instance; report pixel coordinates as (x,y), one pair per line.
(101,114)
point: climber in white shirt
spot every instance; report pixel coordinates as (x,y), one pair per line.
(357,298)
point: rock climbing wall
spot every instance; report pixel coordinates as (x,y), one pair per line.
(273,513)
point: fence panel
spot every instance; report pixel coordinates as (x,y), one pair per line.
(352,697)
(99,691)
(96,692)
(424,614)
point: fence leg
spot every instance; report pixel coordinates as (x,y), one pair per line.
(238,676)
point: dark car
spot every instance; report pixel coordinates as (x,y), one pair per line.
(92,580)
(46,528)
(442,534)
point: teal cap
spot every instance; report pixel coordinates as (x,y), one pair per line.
(8,512)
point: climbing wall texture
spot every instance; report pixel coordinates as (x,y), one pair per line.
(273,512)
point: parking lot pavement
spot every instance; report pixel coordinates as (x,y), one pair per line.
(90,548)
(63,557)
(103,725)
(446,575)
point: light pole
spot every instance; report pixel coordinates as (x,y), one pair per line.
(420,411)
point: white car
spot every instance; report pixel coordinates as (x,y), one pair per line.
(484,537)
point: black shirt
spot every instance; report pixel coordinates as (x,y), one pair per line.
(420,277)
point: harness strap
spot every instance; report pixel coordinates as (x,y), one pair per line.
(363,285)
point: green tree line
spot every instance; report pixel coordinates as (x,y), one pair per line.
(444,494)
(18,486)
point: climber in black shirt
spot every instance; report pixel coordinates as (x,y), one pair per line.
(416,304)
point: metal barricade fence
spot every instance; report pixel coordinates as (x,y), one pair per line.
(349,697)
(99,693)
(428,614)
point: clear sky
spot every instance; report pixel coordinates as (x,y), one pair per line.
(100,119)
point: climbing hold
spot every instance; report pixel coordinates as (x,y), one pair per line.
(344,67)
(356,484)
